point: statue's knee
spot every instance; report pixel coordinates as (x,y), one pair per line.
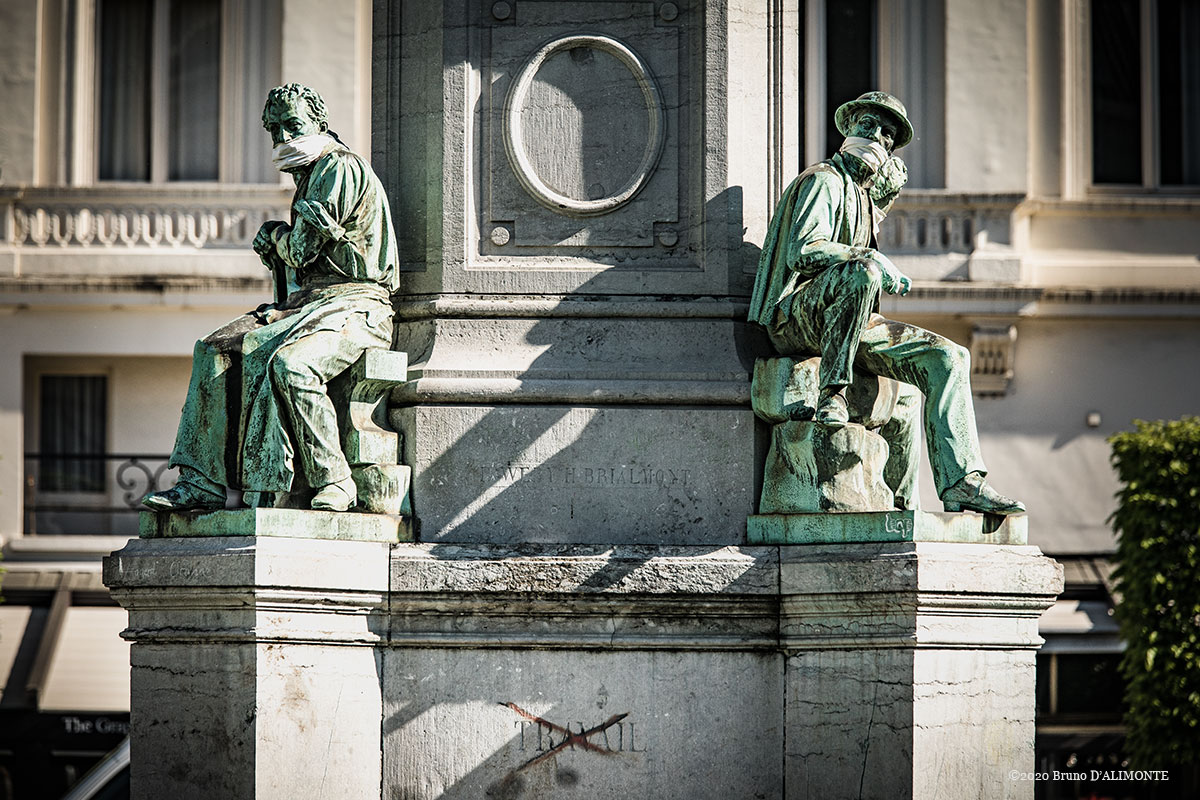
(864,276)
(288,369)
(954,357)
(962,357)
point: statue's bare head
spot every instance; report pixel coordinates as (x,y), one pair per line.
(293,110)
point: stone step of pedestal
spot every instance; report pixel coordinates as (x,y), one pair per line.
(887,526)
(293,523)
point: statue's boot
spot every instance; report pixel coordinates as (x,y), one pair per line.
(832,409)
(184,496)
(972,493)
(338,496)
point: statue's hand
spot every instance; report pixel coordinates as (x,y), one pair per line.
(264,240)
(894,281)
(889,180)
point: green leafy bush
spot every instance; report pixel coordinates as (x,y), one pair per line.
(1158,526)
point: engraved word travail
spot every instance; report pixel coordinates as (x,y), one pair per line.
(539,737)
(546,474)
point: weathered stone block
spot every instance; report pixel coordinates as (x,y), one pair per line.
(253,671)
(383,488)
(553,473)
(817,468)
(359,396)
(910,680)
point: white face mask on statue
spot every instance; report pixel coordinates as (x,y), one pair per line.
(300,152)
(869,151)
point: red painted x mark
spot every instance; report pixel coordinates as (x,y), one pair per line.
(570,738)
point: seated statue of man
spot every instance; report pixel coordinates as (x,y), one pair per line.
(817,293)
(257,410)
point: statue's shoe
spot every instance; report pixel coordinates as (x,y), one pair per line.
(339,496)
(833,411)
(183,496)
(972,493)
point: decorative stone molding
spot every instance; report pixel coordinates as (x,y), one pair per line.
(515,108)
(993,357)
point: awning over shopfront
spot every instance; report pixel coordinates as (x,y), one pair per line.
(61,647)
(1079,626)
(14,620)
(89,670)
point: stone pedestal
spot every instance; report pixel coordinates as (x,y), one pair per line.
(255,665)
(270,668)
(910,668)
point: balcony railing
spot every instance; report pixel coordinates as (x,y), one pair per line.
(90,493)
(123,216)
(927,221)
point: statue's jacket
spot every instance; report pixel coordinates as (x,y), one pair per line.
(341,262)
(823,218)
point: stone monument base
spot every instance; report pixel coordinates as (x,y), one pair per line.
(267,667)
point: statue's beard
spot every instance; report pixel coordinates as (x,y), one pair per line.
(868,151)
(300,152)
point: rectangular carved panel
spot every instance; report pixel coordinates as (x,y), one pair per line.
(583,134)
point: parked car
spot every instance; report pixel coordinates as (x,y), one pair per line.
(108,780)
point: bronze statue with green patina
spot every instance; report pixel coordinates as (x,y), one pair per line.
(258,417)
(817,293)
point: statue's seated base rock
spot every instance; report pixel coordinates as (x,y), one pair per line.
(812,467)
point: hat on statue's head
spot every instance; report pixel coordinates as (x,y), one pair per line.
(878,101)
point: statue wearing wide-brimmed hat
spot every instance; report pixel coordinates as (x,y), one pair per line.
(817,293)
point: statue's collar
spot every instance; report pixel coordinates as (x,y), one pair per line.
(859,172)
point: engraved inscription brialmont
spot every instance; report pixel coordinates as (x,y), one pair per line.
(648,476)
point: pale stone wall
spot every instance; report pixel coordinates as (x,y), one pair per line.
(987,122)
(327,47)
(18,93)
(145,395)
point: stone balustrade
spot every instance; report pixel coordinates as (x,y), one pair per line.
(931,221)
(162,216)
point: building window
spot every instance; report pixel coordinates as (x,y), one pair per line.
(1145,92)
(851,63)
(850,47)
(73,433)
(181,84)
(839,64)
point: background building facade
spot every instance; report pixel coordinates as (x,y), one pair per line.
(1050,224)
